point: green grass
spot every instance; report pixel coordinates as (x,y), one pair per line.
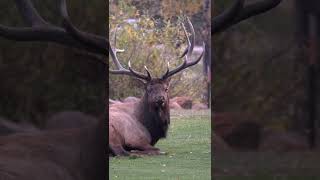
(266,165)
(268,177)
(188,148)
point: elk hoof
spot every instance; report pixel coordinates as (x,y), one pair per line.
(163,153)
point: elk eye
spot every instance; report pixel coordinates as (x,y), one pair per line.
(167,89)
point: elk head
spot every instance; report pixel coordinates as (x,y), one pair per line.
(157,89)
(157,93)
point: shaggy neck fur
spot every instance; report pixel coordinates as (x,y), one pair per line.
(155,120)
(98,151)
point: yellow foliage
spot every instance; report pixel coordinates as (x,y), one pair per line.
(171,8)
(149,43)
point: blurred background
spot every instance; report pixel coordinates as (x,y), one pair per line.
(260,69)
(151,34)
(265,86)
(256,66)
(38,79)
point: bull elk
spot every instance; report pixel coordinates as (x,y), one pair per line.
(139,125)
(77,153)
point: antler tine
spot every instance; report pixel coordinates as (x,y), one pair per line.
(238,12)
(138,74)
(193,36)
(190,44)
(121,69)
(115,36)
(168,70)
(149,75)
(186,63)
(88,39)
(40,30)
(29,13)
(227,16)
(188,41)
(115,60)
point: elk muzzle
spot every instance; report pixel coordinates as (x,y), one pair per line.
(160,101)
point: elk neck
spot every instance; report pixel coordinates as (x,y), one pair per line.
(156,121)
(93,150)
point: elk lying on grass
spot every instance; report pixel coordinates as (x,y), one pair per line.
(63,153)
(138,125)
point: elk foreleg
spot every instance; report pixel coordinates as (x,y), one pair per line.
(145,149)
(118,151)
(116,143)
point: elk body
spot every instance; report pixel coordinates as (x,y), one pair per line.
(74,150)
(139,125)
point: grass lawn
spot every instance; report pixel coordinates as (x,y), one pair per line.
(267,165)
(267,177)
(188,148)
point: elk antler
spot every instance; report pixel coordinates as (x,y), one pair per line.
(121,69)
(238,12)
(187,53)
(41,30)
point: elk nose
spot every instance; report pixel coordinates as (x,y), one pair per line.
(160,99)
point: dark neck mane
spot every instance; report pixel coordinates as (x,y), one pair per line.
(156,121)
(93,150)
